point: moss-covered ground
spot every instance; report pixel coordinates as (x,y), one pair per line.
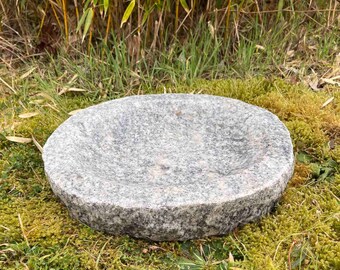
(303,232)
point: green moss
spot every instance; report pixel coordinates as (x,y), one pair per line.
(302,232)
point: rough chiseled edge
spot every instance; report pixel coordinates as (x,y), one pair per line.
(177,223)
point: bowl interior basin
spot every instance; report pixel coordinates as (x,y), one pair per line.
(167,150)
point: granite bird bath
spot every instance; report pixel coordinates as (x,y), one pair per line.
(169,167)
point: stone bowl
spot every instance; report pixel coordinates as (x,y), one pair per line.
(169,167)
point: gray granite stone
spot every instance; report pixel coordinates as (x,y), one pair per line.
(169,167)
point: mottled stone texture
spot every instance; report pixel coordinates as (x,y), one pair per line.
(169,167)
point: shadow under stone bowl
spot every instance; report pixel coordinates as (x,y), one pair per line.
(169,167)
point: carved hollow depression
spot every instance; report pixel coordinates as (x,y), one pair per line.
(169,167)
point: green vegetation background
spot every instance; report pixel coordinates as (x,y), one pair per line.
(282,55)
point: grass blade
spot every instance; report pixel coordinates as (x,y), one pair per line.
(128,12)
(18,139)
(185,6)
(88,22)
(28,115)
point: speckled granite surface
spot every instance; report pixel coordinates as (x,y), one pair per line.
(169,167)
